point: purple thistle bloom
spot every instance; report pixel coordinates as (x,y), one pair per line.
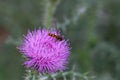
(45,50)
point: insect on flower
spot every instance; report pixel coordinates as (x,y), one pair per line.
(58,37)
(43,53)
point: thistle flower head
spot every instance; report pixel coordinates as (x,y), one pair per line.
(45,50)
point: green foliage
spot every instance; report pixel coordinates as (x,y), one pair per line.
(68,75)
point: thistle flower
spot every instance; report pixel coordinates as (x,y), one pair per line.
(45,51)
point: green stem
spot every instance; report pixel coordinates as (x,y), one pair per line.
(50,9)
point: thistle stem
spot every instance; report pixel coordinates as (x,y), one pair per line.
(50,9)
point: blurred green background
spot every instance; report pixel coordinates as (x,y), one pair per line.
(92,27)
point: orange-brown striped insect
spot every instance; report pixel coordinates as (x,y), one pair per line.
(58,37)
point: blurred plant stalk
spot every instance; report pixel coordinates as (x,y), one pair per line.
(4,33)
(49,12)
